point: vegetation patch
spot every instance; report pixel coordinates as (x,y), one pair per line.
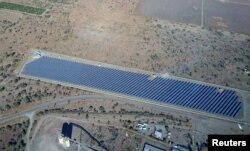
(21,8)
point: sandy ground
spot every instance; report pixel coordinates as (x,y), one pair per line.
(110,31)
(231,15)
(116,112)
(48,140)
(109,134)
(185,11)
(227,15)
(13,134)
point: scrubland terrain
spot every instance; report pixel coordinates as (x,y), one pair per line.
(13,134)
(114,122)
(110,31)
(115,32)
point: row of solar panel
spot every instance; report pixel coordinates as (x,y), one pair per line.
(185,94)
(174,98)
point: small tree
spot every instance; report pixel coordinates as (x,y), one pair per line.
(102,109)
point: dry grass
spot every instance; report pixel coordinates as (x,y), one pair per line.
(108,31)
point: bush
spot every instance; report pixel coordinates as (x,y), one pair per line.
(102,109)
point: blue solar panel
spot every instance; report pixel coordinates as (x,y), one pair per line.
(170,91)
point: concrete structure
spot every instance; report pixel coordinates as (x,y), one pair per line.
(158,135)
(65,136)
(64,141)
(149,147)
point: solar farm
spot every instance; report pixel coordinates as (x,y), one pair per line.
(168,91)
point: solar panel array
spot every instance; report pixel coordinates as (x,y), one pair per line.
(170,91)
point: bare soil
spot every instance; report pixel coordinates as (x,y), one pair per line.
(13,134)
(110,31)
